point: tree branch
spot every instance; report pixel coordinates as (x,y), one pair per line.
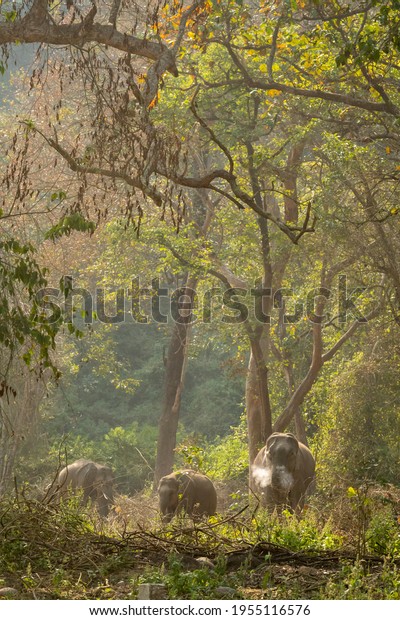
(273,49)
(193,107)
(309,93)
(114,13)
(112,174)
(353,327)
(318,360)
(37,26)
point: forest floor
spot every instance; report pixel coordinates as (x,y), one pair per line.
(65,553)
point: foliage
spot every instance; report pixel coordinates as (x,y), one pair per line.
(382,535)
(24,327)
(132,453)
(66,553)
(227,459)
(304,534)
(356,581)
(95,392)
(68,223)
(192,584)
(217,142)
(359,430)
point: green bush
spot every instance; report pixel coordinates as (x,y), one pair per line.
(383,535)
(190,584)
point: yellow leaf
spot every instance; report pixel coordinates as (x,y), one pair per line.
(273,92)
(388,150)
(351,492)
(263,68)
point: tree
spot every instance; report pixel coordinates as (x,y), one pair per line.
(19,414)
(239,135)
(269,90)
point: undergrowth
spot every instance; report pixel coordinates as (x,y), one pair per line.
(63,552)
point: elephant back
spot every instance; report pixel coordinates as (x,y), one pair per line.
(201,494)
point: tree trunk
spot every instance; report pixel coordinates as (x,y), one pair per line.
(300,427)
(19,416)
(259,417)
(258,406)
(173,382)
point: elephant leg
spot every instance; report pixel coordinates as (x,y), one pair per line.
(167,517)
(296,501)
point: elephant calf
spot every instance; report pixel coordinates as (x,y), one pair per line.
(283,472)
(186,491)
(95,480)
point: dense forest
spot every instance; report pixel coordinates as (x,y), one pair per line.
(199,208)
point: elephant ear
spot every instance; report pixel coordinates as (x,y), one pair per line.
(271,440)
(89,476)
(294,440)
(165,480)
(104,473)
(184,479)
(168,482)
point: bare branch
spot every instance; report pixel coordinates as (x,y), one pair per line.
(112,174)
(114,13)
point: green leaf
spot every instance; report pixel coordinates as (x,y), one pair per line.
(74,221)
(10,16)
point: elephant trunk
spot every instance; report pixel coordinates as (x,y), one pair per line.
(105,500)
(282,479)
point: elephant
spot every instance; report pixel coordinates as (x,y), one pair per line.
(95,480)
(283,473)
(186,491)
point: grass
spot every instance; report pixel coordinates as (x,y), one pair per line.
(66,553)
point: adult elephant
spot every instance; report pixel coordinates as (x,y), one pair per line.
(186,491)
(283,472)
(94,479)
